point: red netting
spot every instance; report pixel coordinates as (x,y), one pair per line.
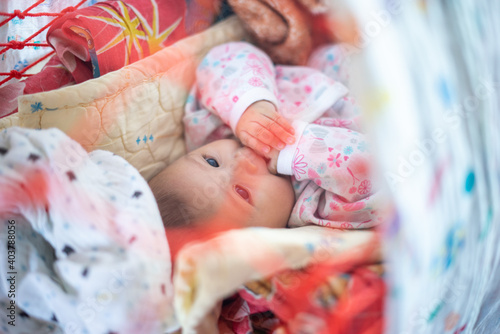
(19,45)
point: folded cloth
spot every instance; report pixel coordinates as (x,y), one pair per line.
(324,298)
(285,278)
(109,35)
(88,252)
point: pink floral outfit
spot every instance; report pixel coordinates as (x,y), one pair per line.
(329,162)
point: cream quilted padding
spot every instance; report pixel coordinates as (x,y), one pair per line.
(135,112)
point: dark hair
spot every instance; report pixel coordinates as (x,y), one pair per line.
(173,208)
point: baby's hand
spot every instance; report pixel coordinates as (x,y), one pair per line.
(261,128)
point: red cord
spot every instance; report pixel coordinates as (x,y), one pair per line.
(18,13)
(21,73)
(19,45)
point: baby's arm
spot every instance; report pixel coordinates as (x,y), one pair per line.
(236,81)
(232,77)
(336,159)
(335,188)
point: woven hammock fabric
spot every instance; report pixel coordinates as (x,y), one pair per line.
(18,29)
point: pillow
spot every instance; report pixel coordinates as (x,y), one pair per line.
(135,112)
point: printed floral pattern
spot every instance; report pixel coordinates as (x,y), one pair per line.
(254,67)
(37,106)
(322,168)
(334,160)
(365,187)
(254,81)
(299,165)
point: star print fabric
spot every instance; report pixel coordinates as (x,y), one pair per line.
(330,160)
(104,37)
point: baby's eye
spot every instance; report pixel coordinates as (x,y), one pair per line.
(212,162)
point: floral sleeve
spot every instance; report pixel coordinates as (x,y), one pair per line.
(201,126)
(231,77)
(332,178)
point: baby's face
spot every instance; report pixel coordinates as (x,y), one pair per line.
(233,182)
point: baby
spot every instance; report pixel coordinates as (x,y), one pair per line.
(298,157)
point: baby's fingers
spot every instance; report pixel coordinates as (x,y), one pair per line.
(272,161)
(280,128)
(262,134)
(255,144)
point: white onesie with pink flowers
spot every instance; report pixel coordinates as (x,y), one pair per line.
(329,162)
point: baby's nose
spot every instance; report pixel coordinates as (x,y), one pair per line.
(244,160)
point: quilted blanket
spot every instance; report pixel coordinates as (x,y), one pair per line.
(135,112)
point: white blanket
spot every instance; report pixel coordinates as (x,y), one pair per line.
(87,252)
(433,101)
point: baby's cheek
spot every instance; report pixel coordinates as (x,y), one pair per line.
(285,201)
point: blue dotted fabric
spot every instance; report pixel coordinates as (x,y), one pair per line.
(434,103)
(91,254)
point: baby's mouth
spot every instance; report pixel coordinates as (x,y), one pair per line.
(243,193)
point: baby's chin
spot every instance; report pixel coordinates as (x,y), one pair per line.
(269,223)
(283,203)
(289,185)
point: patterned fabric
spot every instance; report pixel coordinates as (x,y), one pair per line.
(309,279)
(109,35)
(312,300)
(129,112)
(330,161)
(102,38)
(432,92)
(89,249)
